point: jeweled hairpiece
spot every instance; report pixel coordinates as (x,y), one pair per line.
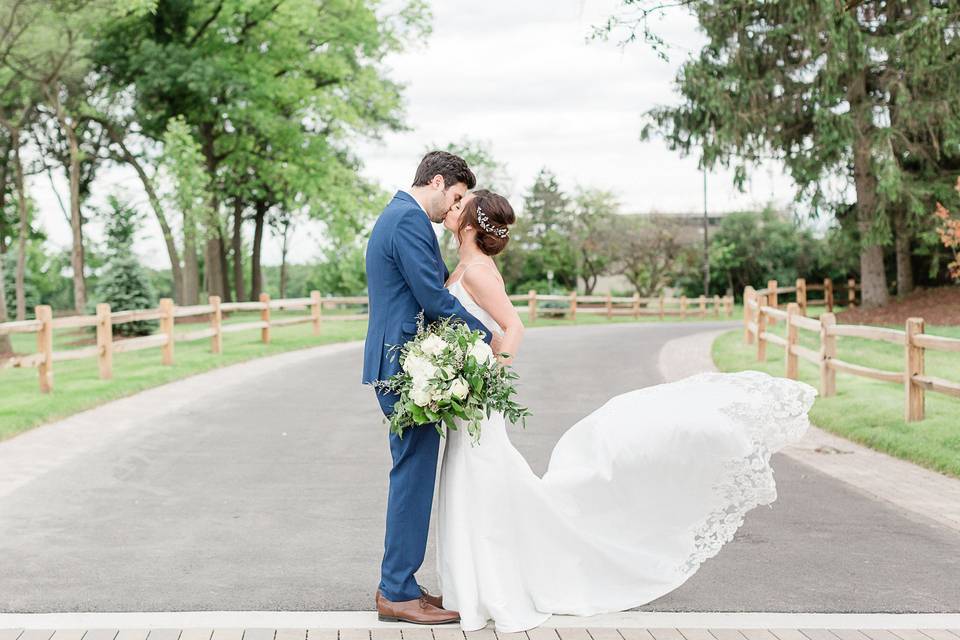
(500,232)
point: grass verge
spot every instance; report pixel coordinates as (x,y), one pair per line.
(869,411)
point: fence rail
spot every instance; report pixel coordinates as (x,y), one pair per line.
(166,338)
(760,310)
(170,333)
(611,306)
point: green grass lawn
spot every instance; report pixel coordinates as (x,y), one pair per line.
(869,411)
(77,386)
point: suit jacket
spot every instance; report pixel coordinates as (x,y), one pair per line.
(405,274)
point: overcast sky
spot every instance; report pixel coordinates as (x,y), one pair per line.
(522,76)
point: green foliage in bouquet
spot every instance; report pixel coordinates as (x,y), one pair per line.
(447,373)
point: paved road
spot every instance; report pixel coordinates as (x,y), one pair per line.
(268,494)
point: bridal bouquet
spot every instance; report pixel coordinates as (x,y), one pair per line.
(448,372)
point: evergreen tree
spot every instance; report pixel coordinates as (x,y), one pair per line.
(124,283)
(541,239)
(862,93)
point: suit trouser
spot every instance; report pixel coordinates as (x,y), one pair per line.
(409,501)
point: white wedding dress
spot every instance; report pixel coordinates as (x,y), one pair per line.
(636,495)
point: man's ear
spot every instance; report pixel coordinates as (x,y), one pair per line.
(438,182)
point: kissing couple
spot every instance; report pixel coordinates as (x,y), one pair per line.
(636,495)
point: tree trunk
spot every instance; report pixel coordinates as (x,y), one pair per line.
(224,266)
(213,267)
(76,226)
(191,268)
(238,250)
(176,272)
(283,259)
(872,275)
(213,278)
(5,346)
(256,275)
(76,221)
(903,236)
(589,283)
(20,274)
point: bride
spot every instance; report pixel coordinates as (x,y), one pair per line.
(636,495)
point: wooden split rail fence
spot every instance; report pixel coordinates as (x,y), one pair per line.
(760,309)
(167,313)
(568,306)
(168,335)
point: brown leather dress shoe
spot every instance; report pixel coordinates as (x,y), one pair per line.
(417,611)
(436,601)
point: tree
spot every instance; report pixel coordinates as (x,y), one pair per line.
(850,90)
(273,92)
(595,234)
(650,254)
(184,163)
(540,241)
(948,229)
(124,283)
(6,224)
(44,50)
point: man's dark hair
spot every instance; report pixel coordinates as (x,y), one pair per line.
(453,168)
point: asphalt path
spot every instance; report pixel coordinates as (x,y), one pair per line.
(269,494)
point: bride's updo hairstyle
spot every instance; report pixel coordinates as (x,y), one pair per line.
(491,215)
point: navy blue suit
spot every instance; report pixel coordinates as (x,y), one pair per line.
(405,274)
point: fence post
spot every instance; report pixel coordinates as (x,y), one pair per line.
(828,350)
(716,306)
(761,328)
(609,305)
(44,314)
(749,293)
(573,305)
(703,306)
(914,409)
(828,294)
(265,317)
(636,305)
(683,307)
(216,323)
(104,341)
(315,311)
(660,308)
(793,309)
(532,305)
(852,292)
(166,328)
(772,298)
(730,306)
(802,295)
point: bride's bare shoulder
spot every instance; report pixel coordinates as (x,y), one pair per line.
(483,278)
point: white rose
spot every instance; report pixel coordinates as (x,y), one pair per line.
(433,345)
(482,352)
(459,388)
(420,394)
(419,367)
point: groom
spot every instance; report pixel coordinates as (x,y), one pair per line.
(405,275)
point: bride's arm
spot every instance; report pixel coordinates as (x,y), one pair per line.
(486,287)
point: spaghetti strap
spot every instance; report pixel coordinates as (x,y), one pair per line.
(470,264)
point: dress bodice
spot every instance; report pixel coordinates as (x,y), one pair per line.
(460,293)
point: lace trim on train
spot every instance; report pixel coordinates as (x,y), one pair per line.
(775,416)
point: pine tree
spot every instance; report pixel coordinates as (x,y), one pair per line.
(863,95)
(124,283)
